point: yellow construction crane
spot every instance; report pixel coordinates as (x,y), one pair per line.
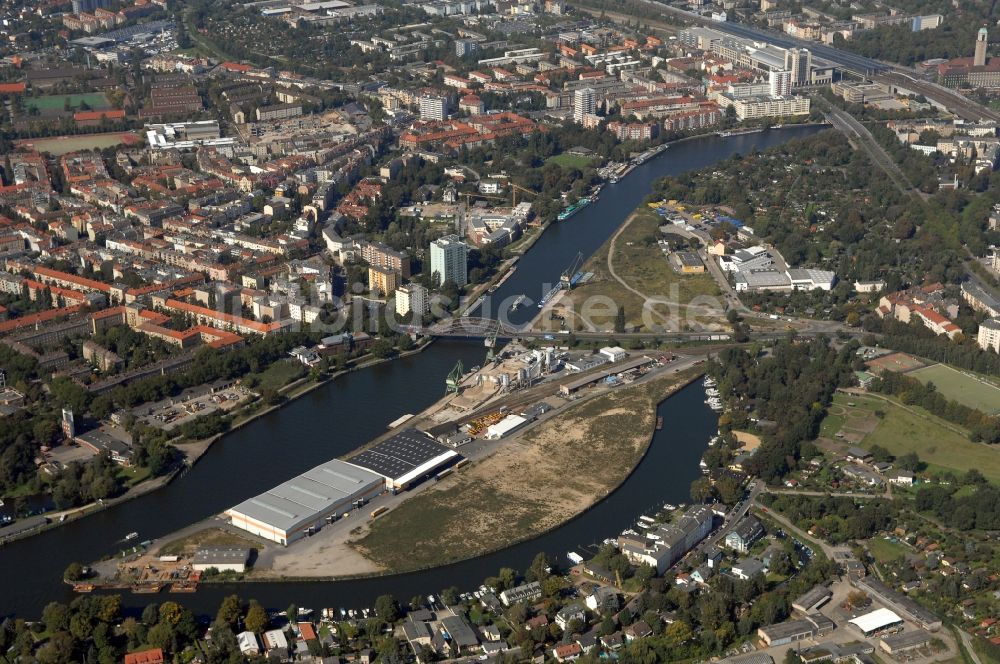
(516,188)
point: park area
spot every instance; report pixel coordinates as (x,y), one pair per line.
(95,101)
(867,421)
(640,262)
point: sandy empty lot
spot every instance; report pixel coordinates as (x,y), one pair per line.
(535,482)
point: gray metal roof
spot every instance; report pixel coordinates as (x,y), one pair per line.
(309,495)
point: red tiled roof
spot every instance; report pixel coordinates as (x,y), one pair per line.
(12,88)
(72,278)
(151,656)
(41,317)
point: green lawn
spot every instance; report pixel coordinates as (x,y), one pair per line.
(570,161)
(280,374)
(936,442)
(960,386)
(95,100)
(885,550)
(642,264)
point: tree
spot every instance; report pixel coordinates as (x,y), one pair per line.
(507,578)
(229,611)
(449,596)
(56,617)
(701,490)
(620,319)
(256,619)
(162,635)
(74,572)
(57,650)
(386,608)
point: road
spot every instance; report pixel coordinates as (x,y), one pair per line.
(967,642)
(859,135)
(792,528)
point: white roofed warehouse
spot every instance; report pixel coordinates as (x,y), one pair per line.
(880,621)
(303,504)
(405,458)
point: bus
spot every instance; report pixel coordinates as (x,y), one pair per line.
(379,511)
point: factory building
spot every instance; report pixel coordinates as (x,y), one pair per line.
(303,504)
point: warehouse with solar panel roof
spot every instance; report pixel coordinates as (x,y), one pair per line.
(304,504)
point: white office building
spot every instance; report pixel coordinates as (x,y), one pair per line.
(449,260)
(411,297)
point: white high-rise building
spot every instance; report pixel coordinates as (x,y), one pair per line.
(411,297)
(781,82)
(584,103)
(449,260)
(433,108)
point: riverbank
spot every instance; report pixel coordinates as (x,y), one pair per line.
(524,489)
(193,451)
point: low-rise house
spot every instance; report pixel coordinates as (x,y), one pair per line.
(747,568)
(612,641)
(248,643)
(603,600)
(744,534)
(637,630)
(568,614)
(527,592)
(568,652)
(151,656)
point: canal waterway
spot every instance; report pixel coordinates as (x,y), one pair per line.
(343,415)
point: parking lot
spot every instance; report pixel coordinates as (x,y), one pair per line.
(67,453)
(190,404)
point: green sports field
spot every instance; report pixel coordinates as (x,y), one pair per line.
(95,100)
(960,386)
(570,160)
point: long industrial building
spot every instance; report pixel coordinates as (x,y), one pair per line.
(303,504)
(405,458)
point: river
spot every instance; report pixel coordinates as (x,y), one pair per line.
(346,413)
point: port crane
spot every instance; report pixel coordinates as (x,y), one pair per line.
(454,378)
(566,278)
(491,343)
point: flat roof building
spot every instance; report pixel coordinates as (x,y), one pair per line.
(898,643)
(796,630)
(224,559)
(304,503)
(814,598)
(405,458)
